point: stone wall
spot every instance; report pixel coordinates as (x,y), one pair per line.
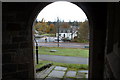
(17,46)
(112,56)
(17,51)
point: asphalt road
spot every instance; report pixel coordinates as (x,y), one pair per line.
(64,59)
(50,43)
(64,44)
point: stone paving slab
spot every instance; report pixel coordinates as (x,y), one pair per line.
(51,78)
(80,75)
(83,71)
(70,74)
(58,74)
(69,79)
(86,75)
(60,68)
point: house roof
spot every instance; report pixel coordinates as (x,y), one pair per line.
(71,29)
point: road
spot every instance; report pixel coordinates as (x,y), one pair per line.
(49,39)
(64,44)
(50,43)
(64,59)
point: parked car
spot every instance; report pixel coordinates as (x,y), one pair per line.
(56,40)
(66,39)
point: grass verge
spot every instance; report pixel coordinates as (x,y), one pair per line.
(69,66)
(76,52)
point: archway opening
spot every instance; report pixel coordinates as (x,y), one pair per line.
(64,35)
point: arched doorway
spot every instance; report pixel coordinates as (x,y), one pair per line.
(24,25)
(69,31)
(97,36)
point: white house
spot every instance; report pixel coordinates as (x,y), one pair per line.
(69,33)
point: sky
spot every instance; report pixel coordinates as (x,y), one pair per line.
(63,10)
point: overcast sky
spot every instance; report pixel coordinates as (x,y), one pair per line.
(63,10)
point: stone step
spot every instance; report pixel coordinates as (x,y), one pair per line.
(45,72)
(60,68)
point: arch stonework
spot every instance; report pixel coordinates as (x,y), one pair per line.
(99,33)
(17,42)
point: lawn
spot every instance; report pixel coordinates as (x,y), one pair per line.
(52,35)
(76,52)
(69,66)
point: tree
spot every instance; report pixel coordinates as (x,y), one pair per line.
(83,31)
(52,28)
(65,25)
(37,26)
(42,27)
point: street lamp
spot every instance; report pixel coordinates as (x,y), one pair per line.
(58,30)
(36,50)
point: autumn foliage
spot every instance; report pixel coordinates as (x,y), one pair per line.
(43,27)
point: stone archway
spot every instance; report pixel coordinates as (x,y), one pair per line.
(97,34)
(17,41)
